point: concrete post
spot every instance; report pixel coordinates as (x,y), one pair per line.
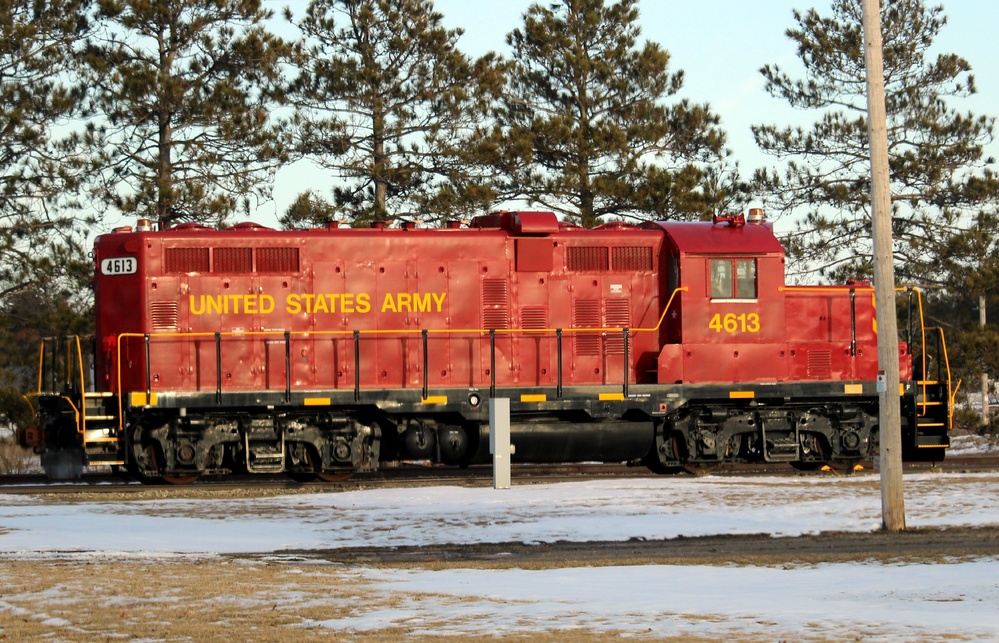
(499,441)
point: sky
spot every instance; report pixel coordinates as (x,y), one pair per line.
(868,600)
(721,46)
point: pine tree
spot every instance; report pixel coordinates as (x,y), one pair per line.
(58,307)
(969,270)
(586,124)
(183,90)
(387,101)
(939,171)
(37,178)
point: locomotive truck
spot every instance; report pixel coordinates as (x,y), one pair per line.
(324,352)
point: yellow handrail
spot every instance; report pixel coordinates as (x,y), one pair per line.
(404,331)
(81,424)
(951,395)
(951,392)
(41,365)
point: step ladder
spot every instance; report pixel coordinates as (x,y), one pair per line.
(101,429)
(933,421)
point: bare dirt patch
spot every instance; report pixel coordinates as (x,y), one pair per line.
(916,546)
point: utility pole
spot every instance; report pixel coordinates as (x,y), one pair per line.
(890,416)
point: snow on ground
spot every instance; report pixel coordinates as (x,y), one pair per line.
(867,600)
(962,445)
(611,509)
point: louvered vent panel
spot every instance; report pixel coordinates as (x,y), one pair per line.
(180,260)
(163,315)
(534,317)
(233,260)
(820,365)
(587,258)
(283,260)
(633,259)
(617,315)
(586,314)
(495,304)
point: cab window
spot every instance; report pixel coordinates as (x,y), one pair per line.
(733,278)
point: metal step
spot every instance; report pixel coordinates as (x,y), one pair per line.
(781,451)
(265,456)
(104,458)
(932,441)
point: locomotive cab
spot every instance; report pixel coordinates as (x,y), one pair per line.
(730,321)
(776,372)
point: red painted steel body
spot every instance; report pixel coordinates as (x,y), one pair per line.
(387,284)
(521,274)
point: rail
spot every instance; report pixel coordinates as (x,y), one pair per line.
(356,336)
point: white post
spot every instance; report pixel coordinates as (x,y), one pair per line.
(985,376)
(499,441)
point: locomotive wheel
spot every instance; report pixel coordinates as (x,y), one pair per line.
(693,468)
(656,466)
(132,469)
(308,475)
(156,457)
(133,472)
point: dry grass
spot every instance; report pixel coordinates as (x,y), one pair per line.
(15,460)
(221,600)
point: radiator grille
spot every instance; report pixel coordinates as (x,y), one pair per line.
(495,312)
(182,260)
(235,261)
(618,315)
(163,315)
(632,259)
(820,364)
(534,318)
(587,258)
(277,260)
(586,314)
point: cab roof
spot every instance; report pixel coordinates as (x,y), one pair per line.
(704,237)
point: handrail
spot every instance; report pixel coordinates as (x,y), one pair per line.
(357,334)
(27,399)
(922,331)
(950,394)
(786,288)
(945,358)
(41,364)
(72,342)
(76,418)
(81,423)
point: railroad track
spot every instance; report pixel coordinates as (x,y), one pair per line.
(97,482)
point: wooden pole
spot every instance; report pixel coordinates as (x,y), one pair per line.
(890,417)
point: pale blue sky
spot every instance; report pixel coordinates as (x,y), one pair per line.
(721,45)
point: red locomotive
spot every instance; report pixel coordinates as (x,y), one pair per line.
(328,351)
